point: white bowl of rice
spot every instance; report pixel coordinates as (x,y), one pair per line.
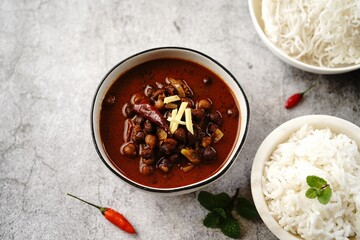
(313,145)
(320,36)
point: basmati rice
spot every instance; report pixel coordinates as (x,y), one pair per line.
(322,32)
(320,152)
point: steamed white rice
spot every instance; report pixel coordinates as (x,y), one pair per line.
(333,157)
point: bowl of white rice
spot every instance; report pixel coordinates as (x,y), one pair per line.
(320,36)
(314,145)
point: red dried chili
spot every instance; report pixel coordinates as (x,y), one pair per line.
(112,216)
(294,99)
(149,112)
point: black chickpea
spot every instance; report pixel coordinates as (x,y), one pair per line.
(137,98)
(129,150)
(168,146)
(170,90)
(171,141)
(164,165)
(146,153)
(167,114)
(191,139)
(190,103)
(208,154)
(174,158)
(151,141)
(139,137)
(216,117)
(180,135)
(149,161)
(211,128)
(205,104)
(148,91)
(198,114)
(159,103)
(148,128)
(157,93)
(128,111)
(147,170)
(138,120)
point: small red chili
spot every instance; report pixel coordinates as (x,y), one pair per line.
(293,100)
(149,112)
(112,216)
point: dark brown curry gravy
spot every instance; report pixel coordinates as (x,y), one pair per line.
(135,80)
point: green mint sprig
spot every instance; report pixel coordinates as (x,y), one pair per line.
(221,206)
(319,189)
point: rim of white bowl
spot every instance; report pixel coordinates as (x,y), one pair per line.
(191,187)
(280,135)
(286,58)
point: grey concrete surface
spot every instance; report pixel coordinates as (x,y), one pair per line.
(53,55)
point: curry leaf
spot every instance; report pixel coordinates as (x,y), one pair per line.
(211,201)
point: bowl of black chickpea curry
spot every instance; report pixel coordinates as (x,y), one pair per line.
(169,120)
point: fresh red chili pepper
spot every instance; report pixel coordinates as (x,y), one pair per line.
(293,100)
(112,216)
(149,112)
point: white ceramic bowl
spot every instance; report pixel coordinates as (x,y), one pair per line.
(255,12)
(178,53)
(278,136)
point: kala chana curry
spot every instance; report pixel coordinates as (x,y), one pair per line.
(168,123)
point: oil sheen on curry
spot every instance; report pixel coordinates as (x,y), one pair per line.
(169,123)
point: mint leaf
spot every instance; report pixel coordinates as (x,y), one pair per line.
(246,209)
(211,220)
(325,195)
(318,188)
(315,182)
(221,207)
(231,228)
(311,193)
(221,212)
(211,201)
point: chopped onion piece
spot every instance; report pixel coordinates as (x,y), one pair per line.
(191,155)
(177,85)
(217,135)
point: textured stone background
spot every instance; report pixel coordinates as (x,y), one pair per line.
(52,57)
